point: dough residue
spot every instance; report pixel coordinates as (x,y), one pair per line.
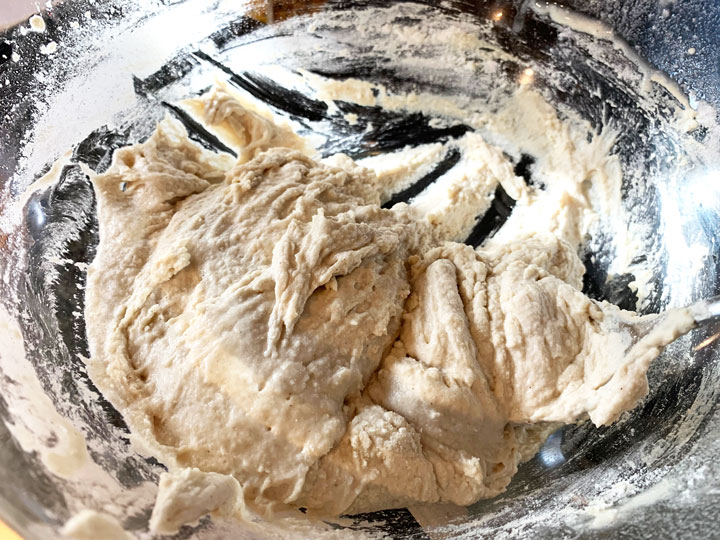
(186,495)
(92,525)
(37,426)
(265,319)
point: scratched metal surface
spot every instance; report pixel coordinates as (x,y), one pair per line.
(579,463)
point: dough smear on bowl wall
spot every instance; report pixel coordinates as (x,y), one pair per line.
(267,319)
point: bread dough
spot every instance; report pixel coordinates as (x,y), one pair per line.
(91,525)
(186,495)
(267,319)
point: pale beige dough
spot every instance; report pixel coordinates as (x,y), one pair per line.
(266,319)
(186,495)
(92,525)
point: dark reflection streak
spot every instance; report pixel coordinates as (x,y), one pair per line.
(401,132)
(262,88)
(197,131)
(250,42)
(376,131)
(496,216)
(449,161)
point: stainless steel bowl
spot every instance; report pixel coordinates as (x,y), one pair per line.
(119,63)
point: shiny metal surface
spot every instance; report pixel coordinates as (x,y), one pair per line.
(653,474)
(706,311)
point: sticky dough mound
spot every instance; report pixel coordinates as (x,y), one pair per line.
(267,319)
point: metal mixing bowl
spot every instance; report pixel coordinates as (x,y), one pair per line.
(120,64)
